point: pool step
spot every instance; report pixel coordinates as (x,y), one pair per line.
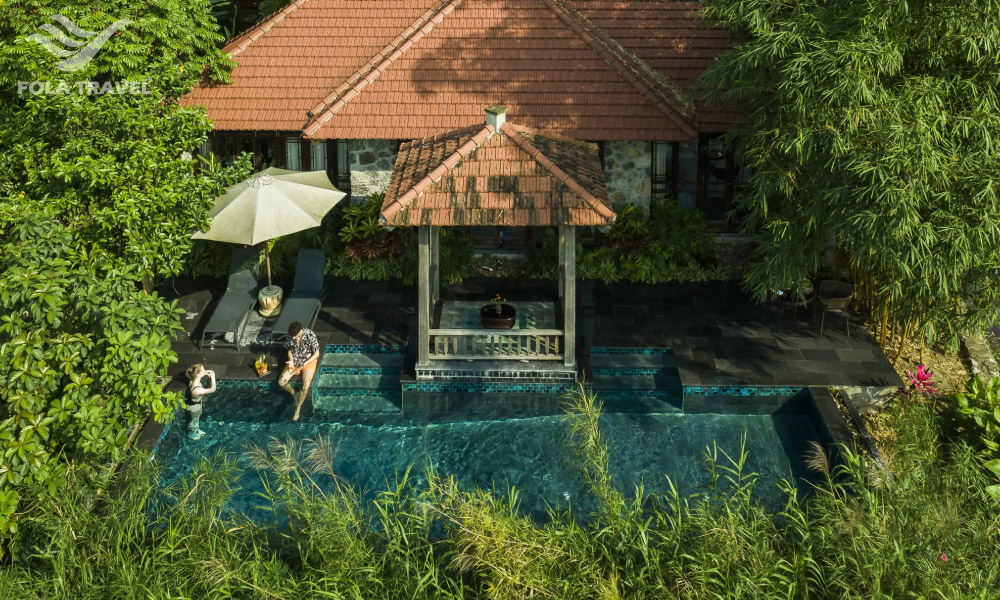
(352,401)
(633,361)
(635,380)
(359,382)
(362,361)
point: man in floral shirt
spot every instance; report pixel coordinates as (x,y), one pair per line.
(303,356)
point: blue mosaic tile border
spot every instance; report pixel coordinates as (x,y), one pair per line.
(340,393)
(485,387)
(365,349)
(632,372)
(245,383)
(360,370)
(629,350)
(739,390)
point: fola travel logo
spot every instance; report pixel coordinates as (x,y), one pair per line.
(90,40)
(77,47)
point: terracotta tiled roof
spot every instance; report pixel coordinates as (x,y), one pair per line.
(405,69)
(668,37)
(477,176)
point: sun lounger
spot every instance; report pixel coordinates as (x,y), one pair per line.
(230,314)
(307,295)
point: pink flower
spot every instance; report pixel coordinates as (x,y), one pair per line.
(921,381)
(943,557)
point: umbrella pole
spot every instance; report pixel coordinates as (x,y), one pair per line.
(267,257)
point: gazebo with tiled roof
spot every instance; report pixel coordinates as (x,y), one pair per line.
(497,174)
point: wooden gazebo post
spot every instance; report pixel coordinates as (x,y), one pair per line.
(423,295)
(567,285)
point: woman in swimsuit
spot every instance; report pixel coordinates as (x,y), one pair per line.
(198,391)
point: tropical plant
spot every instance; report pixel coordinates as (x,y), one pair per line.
(980,404)
(98,194)
(669,245)
(495,304)
(116,168)
(920,381)
(364,237)
(80,361)
(870,125)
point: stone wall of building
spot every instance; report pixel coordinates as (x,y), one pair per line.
(627,168)
(371,167)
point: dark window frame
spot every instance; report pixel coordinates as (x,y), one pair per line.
(334,150)
(664,184)
(730,172)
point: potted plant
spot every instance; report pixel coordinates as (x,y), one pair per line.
(498,314)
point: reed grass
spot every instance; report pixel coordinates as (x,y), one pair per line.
(929,532)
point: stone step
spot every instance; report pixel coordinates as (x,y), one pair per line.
(646,403)
(631,382)
(632,361)
(347,381)
(362,361)
(357,401)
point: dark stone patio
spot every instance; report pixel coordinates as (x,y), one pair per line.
(718,336)
(353,313)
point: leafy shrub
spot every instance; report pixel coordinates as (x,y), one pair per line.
(80,361)
(670,245)
(980,407)
(363,237)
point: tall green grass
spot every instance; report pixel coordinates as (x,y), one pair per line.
(928,532)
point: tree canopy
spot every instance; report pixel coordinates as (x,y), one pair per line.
(873,124)
(98,192)
(116,168)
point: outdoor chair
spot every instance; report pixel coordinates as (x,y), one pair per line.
(835,296)
(307,295)
(230,314)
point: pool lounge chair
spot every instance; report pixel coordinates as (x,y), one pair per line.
(230,314)
(307,295)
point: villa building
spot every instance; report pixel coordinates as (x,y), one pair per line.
(589,104)
(341,84)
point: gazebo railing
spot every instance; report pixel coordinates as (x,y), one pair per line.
(484,344)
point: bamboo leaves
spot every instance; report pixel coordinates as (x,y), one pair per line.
(873,121)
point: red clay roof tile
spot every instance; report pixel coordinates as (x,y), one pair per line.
(474,176)
(390,69)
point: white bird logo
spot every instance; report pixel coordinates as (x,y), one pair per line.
(91,42)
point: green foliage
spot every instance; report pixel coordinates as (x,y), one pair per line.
(98,192)
(114,168)
(670,245)
(926,533)
(456,258)
(363,237)
(980,405)
(80,360)
(871,124)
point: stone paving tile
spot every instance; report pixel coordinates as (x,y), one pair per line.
(717,335)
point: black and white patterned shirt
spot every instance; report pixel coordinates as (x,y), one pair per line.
(304,348)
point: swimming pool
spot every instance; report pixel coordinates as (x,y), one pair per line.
(526,446)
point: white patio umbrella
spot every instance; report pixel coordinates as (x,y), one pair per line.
(272,203)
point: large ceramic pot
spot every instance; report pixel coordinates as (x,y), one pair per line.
(497,320)
(270,301)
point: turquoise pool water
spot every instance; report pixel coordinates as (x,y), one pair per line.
(374,441)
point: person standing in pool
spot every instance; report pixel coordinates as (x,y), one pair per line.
(303,356)
(196,374)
